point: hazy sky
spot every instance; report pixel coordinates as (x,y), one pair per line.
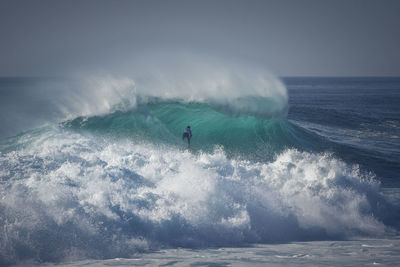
(291,38)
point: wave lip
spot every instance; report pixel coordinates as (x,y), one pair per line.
(235,90)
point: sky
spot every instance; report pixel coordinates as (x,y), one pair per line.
(290,38)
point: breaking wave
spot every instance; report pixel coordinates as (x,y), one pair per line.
(114,178)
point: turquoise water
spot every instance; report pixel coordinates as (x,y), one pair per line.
(243,135)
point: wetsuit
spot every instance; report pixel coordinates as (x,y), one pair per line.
(187,134)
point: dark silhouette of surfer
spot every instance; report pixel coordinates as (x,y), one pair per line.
(187,134)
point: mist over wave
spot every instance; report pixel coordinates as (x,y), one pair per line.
(32,102)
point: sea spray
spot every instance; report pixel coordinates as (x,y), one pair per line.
(230,88)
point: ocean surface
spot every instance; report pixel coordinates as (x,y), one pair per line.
(296,171)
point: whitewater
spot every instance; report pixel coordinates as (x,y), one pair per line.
(94,171)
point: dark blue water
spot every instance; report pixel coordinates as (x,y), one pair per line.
(359,116)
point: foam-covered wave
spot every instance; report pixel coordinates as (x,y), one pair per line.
(112,177)
(66,195)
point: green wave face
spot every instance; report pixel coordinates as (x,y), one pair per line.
(247,135)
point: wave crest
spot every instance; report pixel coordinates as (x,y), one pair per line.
(235,89)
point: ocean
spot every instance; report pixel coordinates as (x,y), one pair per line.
(291,171)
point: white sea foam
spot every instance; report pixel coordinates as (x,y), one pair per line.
(118,196)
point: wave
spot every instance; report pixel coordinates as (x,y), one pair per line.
(69,195)
(115,179)
(32,102)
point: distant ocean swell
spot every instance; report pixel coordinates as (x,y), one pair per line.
(121,182)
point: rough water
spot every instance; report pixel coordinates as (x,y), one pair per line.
(96,172)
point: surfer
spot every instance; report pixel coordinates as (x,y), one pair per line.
(187,134)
